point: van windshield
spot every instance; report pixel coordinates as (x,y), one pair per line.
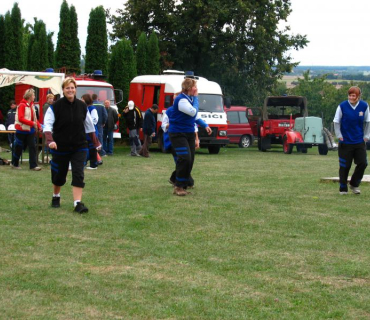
(210,103)
(103,93)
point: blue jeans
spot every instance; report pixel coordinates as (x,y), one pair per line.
(108,141)
(100,138)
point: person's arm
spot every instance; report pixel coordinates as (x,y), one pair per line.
(94,116)
(90,130)
(165,122)
(49,120)
(337,120)
(367,125)
(186,107)
(197,144)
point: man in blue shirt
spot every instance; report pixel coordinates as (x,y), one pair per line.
(351,124)
(149,128)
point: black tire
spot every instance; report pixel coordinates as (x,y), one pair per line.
(323,149)
(287,147)
(304,150)
(245,141)
(214,149)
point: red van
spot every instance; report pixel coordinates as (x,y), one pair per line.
(239,130)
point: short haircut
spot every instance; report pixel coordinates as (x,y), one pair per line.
(50,95)
(87,98)
(356,90)
(28,94)
(68,81)
(94,96)
(187,84)
(12,102)
(154,107)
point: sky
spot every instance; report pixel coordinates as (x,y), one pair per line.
(338,30)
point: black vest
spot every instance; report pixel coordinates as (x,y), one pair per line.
(68,129)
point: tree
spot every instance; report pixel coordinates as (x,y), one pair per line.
(38,48)
(97,42)
(153,57)
(75,42)
(63,50)
(122,67)
(51,50)
(2,41)
(141,55)
(238,43)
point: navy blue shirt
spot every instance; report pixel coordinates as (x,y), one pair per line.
(149,124)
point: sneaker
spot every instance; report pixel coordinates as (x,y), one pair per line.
(91,168)
(14,167)
(180,191)
(80,208)
(343,190)
(55,202)
(355,190)
(36,169)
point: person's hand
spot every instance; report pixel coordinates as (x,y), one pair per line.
(153,134)
(167,125)
(53,145)
(125,110)
(197,146)
(209,130)
(141,129)
(98,148)
(366,140)
(340,139)
(35,125)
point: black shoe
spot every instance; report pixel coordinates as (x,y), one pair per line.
(343,190)
(80,208)
(55,202)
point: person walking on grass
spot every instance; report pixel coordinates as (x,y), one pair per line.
(134,123)
(149,128)
(66,123)
(351,124)
(108,129)
(26,125)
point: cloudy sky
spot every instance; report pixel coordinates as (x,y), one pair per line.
(338,30)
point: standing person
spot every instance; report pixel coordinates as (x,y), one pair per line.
(109,128)
(48,103)
(26,126)
(93,153)
(103,116)
(351,124)
(181,132)
(149,127)
(134,122)
(66,125)
(10,119)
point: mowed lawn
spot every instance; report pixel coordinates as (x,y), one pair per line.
(260,237)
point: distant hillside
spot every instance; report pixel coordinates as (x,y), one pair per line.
(318,70)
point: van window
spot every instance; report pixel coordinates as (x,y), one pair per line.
(243,117)
(233,117)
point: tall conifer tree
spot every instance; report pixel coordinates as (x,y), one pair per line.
(75,53)
(97,42)
(63,49)
(39,58)
(141,54)
(153,54)
(50,50)
(2,41)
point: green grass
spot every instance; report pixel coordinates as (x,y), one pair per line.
(259,238)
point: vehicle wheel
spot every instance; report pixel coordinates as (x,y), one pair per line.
(245,141)
(259,143)
(214,149)
(287,147)
(304,150)
(323,149)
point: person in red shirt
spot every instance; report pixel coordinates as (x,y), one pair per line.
(26,125)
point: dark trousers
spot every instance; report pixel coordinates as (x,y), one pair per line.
(93,157)
(183,145)
(145,148)
(59,167)
(22,141)
(173,174)
(347,153)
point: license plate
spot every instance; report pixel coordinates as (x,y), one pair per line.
(284,124)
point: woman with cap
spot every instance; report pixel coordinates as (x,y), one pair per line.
(351,124)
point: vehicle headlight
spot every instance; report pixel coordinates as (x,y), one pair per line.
(222,133)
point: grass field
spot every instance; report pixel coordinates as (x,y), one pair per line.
(259,238)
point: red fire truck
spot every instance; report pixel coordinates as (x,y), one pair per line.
(159,89)
(86,83)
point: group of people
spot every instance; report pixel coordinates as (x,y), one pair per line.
(75,127)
